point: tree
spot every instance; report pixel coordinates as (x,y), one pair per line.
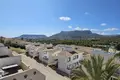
(118,47)
(95,68)
(117,55)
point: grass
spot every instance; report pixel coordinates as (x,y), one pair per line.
(18,50)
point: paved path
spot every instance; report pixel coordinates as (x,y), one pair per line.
(47,71)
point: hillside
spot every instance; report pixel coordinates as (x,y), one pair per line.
(75,35)
(69,35)
(28,36)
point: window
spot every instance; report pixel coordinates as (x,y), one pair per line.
(34,72)
(74,64)
(14,79)
(4,56)
(45,52)
(69,59)
(77,63)
(80,61)
(25,76)
(45,58)
(69,67)
(75,57)
(31,52)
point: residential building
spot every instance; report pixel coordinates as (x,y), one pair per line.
(69,60)
(33,50)
(49,56)
(31,74)
(65,47)
(8,62)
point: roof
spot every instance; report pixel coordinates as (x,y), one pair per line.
(5,51)
(39,48)
(31,74)
(106,55)
(51,50)
(10,66)
(56,53)
(65,53)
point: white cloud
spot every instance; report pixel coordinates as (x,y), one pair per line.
(78,28)
(111,29)
(101,33)
(65,18)
(70,27)
(103,24)
(82,29)
(86,13)
(94,30)
(85,29)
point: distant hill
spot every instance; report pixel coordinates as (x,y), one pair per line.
(27,36)
(75,35)
(70,35)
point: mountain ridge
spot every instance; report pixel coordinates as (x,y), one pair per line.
(31,36)
(76,34)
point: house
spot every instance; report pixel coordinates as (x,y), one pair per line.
(31,74)
(29,47)
(49,56)
(8,62)
(33,50)
(49,46)
(1,45)
(112,50)
(4,51)
(69,60)
(65,47)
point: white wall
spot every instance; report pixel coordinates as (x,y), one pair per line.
(48,55)
(63,63)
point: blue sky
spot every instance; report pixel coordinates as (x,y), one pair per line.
(52,16)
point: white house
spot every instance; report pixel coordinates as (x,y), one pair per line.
(8,61)
(69,60)
(49,56)
(68,48)
(33,50)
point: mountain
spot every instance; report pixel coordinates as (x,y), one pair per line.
(86,34)
(71,35)
(27,36)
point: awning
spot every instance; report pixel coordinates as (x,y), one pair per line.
(10,66)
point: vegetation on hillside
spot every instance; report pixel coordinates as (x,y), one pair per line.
(16,43)
(18,50)
(103,43)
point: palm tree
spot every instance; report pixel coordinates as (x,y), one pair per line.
(95,68)
(117,55)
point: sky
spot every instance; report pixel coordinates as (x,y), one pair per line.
(48,17)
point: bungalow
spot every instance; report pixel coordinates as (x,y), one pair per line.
(69,60)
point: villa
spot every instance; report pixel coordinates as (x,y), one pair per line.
(69,60)
(49,56)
